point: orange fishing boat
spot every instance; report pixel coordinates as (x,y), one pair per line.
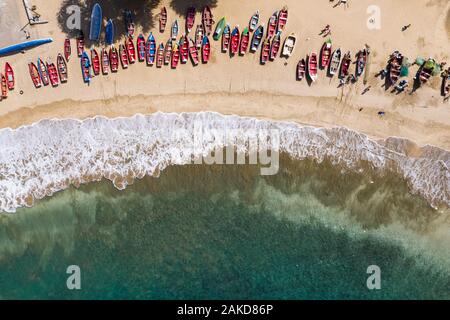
(34,73)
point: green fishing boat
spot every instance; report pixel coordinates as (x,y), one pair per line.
(219,29)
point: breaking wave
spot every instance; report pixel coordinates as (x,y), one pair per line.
(39,160)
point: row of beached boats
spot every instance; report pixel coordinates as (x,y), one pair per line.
(48,73)
(335,62)
(7,81)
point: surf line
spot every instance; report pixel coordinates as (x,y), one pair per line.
(206,146)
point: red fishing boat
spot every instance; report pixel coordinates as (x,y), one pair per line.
(105,61)
(206,49)
(282,19)
(53,74)
(193,52)
(301,69)
(235,37)
(245,41)
(272,26)
(184,49)
(67,49)
(276,44)
(190,19)
(226,36)
(123,56)
(95,60)
(4,86)
(325,54)
(34,73)
(199,33)
(162,19)
(80,43)
(265,51)
(9,73)
(345,65)
(131,50)
(62,68)
(140,44)
(208,20)
(114,59)
(312,67)
(175,56)
(160,56)
(168,52)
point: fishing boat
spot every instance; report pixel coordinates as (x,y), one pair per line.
(129,23)
(345,65)
(235,37)
(245,41)
(34,73)
(301,69)
(289,45)
(67,49)
(4,86)
(226,37)
(272,26)
(193,52)
(20,47)
(160,56)
(361,62)
(9,73)
(95,61)
(190,19)
(325,54)
(86,68)
(265,51)
(53,74)
(282,19)
(312,67)
(275,47)
(106,64)
(184,49)
(395,66)
(175,56)
(174,31)
(131,50)
(62,68)
(123,56)
(426,71)
(219,29)
(114,59)
(208,20)
(109,32)
(446,85)
(150,49)
(254,20)
(43,72)
(206,49)
(199,33)
(162,19)
(80,43)
(257,38)
(335,62)
(96,23)
(140,45)
(168,52)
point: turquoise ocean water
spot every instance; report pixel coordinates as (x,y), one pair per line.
(225,232)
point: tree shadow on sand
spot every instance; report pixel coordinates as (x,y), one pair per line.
(181,6)
(143,11)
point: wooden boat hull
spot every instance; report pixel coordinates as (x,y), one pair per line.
(9,74)
(114,59)
(34,74)
(162,19)
(312,67)
(62,68)
(206,50)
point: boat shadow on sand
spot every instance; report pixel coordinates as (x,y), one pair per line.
(145,15)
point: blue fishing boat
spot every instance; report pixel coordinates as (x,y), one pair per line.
(23,46)
(96,22)
(257,38)
(109,32)
(86,67)
(43,73)
(151,49)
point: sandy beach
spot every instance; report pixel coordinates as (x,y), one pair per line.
(240,85)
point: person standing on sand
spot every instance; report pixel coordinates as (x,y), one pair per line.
(406,27)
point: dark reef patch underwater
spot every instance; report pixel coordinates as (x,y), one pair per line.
(225,232)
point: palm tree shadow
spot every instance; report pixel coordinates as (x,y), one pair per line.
(112,9)
(181,6)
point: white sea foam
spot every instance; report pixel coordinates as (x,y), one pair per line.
(48,156)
